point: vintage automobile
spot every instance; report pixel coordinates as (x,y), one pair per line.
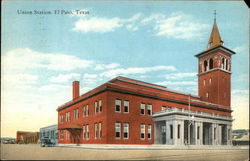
(46,142)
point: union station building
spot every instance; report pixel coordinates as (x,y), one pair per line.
(128,111)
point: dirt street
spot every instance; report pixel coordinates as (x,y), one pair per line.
(35,152)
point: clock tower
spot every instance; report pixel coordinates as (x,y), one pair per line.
(214,71)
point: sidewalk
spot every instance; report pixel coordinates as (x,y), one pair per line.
(153,147)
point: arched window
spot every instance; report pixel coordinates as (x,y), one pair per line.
(205,65)
(223,63)
(171,131)
(211,63)
(226,64)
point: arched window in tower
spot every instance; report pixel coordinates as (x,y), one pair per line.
(226,65)
(205,66)
(211,63)
(222,63)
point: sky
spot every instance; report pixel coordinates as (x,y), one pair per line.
(152,41)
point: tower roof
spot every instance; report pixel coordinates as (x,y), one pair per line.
(215,38)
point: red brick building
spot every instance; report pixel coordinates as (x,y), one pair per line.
(20,136)
(31,138)
(128,111)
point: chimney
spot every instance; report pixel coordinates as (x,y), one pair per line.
(75,86)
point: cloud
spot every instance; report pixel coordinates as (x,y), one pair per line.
(135,70)
(96,24)
(53,87)
(104,25)
(90,76)
(174,76)
(156,17)
(178,25)
(106,66)
(165,83)
(19,79)
(25,58)
(65,77)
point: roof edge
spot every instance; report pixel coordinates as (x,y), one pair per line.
(213,49)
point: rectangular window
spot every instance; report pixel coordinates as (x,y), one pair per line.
(149,109)
(117,105)
(142,109)
(84,111)
(100,105)
(125,130)
(100,129)
(178,131)
(149,131)
(96,130)
(126,106)
(87,110)
(198,132)
(204,82)
(61,119)
(118,130)
(76,114)
(142,131)
(96,107)
(67,116)
(87,131)
(163,108)
(84,132)
(171,131)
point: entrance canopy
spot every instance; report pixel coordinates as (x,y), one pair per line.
(71,127)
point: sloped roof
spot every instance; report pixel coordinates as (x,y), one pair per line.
(215,38)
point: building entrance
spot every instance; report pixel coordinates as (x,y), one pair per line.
(160,132)
(189,134)
(207,133)
(224,134)
(163,134)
